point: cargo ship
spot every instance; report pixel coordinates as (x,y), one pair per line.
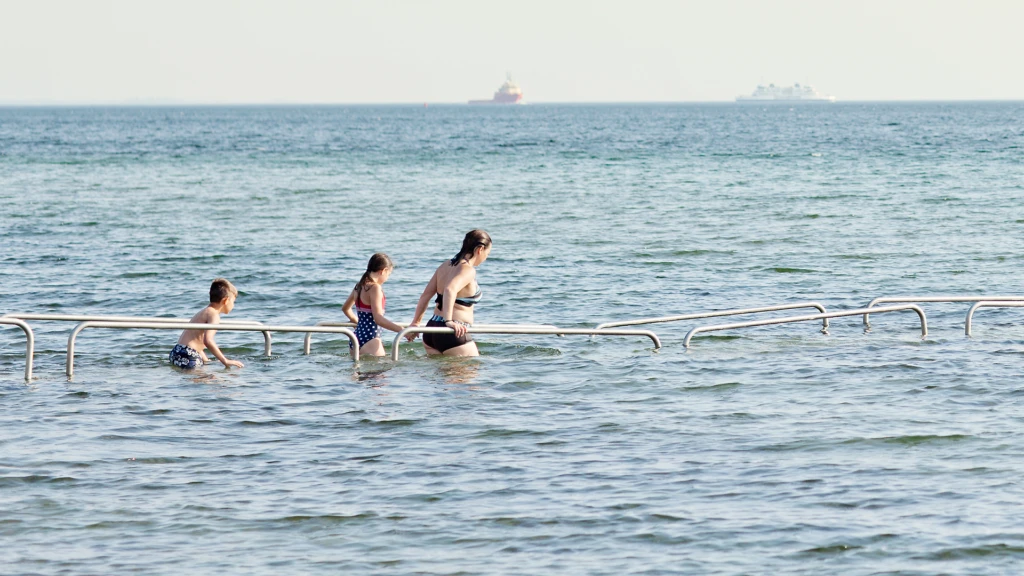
(785,95)
(509,93)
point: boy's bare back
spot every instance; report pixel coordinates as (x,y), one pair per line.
(192,344)
(196,339)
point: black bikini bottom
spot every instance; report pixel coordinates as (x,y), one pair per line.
(442,342)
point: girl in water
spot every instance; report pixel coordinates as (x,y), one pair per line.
(368,299)
(454,285)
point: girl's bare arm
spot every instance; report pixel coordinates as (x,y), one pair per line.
(346,308)
(376,294)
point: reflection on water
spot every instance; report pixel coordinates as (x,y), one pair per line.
(374,378)
(456,370)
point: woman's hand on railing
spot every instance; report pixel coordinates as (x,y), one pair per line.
(459,327)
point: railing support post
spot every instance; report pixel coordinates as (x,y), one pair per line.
(812,317)
(987,304)
(30,343)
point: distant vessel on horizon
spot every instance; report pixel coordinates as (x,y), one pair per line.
(786,95)
(509,93)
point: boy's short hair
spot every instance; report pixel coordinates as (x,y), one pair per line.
(221,289)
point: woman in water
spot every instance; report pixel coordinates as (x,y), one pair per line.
(368,298)
(454,285)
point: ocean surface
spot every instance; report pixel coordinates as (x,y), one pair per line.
(772,450)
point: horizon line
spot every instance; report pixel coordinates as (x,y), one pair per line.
(200,104)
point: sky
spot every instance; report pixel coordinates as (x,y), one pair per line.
(441,51)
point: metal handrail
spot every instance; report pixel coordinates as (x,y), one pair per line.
(507,329)
(988,304)
(790,319)
(105,318)
(30,343)
(190,326)
(102,318)
(309,336)
(915,299)
(733,312)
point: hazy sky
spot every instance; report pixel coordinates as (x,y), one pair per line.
(224,51)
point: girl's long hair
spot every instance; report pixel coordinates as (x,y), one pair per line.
(473,239)
(379,261)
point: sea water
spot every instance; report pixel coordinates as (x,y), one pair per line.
(761,451)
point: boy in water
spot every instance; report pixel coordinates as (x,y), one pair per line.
(188,352)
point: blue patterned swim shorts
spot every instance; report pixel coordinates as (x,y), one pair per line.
(185,357)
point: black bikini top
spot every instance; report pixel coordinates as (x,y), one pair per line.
(466,301)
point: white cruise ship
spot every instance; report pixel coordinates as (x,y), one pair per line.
(785,95)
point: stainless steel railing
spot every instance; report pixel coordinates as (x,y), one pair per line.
(309,336)
(189,326)
(716,313)
(508,329)
(919,299)
(988,304)
(811,317)
(30,342)
(104,318)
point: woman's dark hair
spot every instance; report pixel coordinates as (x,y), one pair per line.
(378,262)
(473,239)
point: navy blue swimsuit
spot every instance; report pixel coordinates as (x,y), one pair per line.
(366,328)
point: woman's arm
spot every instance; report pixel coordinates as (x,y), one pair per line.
(421,305)
(347,307)
(376,294)
(462,279)
(424,301)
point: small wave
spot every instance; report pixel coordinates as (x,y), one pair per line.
(666,518)
(722,337)
(153,412)
(532,350)
(656,538)
(504,433)
(159,460)
(699,252)
(390,423)
(977,552)
(266,423)
(329,518)
(33,479)
(712,387)
(118,524)
(911,440)
(785,270)
(830,550)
